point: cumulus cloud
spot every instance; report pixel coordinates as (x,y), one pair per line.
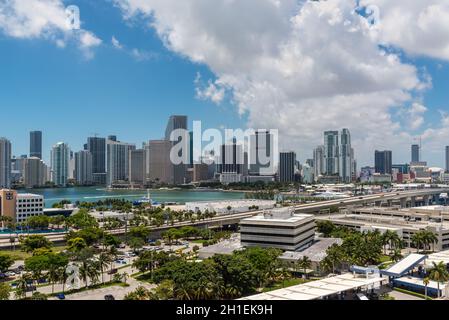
(418,27)
(300,68)
(116,43)
(212,91)
(46,19)
(415,118)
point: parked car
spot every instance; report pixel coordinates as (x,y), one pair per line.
(113,271)
(109,297)
(61,296)
(10,274)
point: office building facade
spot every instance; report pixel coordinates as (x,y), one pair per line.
(161,169)
(346,160)
(318,162)
(34,173)
(118,162)
(287,162)
(447,159)
(415,152)
(36,144)
(137,168)
(97,147)
(331,153)
(383,162)
(84,168)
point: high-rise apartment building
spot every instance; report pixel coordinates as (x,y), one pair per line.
(318,162)
(346,159)
(83,167)
(447,158)
(287,162)
(261,153)
(34,173)
(179,170)
(331,153)
(60,156)
(5,163)
(118,161)
(36,144)
(97,147)
(383,162)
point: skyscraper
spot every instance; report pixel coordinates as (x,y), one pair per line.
(161,168)
(5,163)
(118,161)
(36,144)
(287,162)
(179,122)
(60,156)
(318,162)
(447,159)
(35,172)
(83,167)
(415,153)
(137,167)
(383,162)
(97,147)
(346,157)
(331,153)
(260,156)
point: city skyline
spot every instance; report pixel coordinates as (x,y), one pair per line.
(132,75)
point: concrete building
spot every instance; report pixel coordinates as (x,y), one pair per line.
(84,168)
(5,163)
(287,162)
(97,147)
(225,247)
(28,205)
(318,162)
(261,157)
(331,153)
(60,155)
(36,144)
(405,222)
(35,173)
(137,168)
(278,229)
(117,170)
(230,206)
(161,168)
(307,174)
(383,162)
(20,206)
(346,160)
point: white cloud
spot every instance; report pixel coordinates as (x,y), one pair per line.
(418,27)
(46,19)
(142,55)
(212,91)
(116,43)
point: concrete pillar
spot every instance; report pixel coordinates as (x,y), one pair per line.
(389,203)
(413,202)
(426,200)
(403,202)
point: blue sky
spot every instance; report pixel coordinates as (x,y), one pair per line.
(69,97)
(70,92)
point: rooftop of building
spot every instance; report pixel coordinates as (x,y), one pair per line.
(278,215)
(224,247)
(316,252)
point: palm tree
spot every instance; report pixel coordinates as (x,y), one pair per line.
(304,264)
(396,255)
(93,271)
(417,240)
(426,282)
(54,275)
(21,288)
(431,239)
(104,260)
(439,274)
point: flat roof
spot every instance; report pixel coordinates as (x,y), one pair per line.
(405,265)
(319,289)
(442,256)
(420,282)
(224,247)
(316,252)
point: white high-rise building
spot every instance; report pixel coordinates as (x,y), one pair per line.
(118,161)
(346,157)
(318,162)
(35,173)
(84,168)
(60,156)
(5,163)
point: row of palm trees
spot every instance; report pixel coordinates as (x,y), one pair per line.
(424,240)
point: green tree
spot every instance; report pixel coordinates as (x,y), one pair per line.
(5,262)
(439,273)
(82,220)
(304,264)
(5,291)
(76,244)
(33,242)
(104,261)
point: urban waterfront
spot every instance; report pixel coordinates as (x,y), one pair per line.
(92,194)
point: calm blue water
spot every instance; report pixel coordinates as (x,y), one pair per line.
(93,194)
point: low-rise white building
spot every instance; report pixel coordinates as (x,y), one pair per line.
(230,206)
(281,229)
(28,205)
